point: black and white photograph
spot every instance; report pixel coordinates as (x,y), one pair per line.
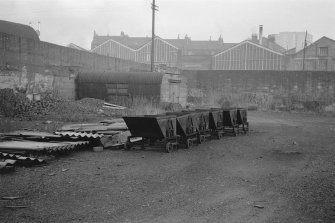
(167,111)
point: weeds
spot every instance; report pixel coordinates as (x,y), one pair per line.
(263,100)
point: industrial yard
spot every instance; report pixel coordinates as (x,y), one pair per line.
(281,171)
(167,111)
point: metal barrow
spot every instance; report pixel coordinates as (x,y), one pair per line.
(154,130)
(230,120)
(216,122)
(242,120)
(204,131)
(186,127)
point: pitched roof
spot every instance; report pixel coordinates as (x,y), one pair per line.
(250,42)
(18,29)
(97,40)
(188,44)
(74,46)
(203,45)
(290,51)
(132,42)
(272,45)
(177,42)
(324,37)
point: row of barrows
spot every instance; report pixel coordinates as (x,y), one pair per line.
(187,127)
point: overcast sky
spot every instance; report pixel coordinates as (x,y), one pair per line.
(66,21)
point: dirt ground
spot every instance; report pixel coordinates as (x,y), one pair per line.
(282,171)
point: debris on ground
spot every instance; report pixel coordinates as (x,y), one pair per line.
(11,198)
(17,105)
(23,148)
(16,206)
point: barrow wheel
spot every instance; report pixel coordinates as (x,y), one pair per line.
(168,147)
(189,143)
(127,146)
(202,139)
(234,131)
(143,146)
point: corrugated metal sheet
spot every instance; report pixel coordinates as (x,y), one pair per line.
(7,162)
(22,160)
(80,135)
(121,77)
(25,146)
(95,127)
(34,135)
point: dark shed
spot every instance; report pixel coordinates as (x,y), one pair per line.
(121,85)
(17,29)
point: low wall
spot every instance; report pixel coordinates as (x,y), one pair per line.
(268,89)
(37,67)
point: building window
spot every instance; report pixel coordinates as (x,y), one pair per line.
(323,64)
(323,51)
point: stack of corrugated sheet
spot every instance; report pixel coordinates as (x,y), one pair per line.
(9,161)
(31,142)
(110,133)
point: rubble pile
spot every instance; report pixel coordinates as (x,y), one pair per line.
(17,105)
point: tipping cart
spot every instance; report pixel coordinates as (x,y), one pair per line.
(230,121)
(186,128)
(154,130)
(216,122)
(204,131)
(242,120)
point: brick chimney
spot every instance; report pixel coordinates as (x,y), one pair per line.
(260,34)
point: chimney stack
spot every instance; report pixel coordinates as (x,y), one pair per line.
(260,34)
(38,31)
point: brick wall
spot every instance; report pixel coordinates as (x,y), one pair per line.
(37,67)
(260,86)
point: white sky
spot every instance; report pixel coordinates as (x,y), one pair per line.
(65,21)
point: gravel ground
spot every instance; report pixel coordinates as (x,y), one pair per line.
(282,171)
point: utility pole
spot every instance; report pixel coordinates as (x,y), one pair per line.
(303,57)
(154,8)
